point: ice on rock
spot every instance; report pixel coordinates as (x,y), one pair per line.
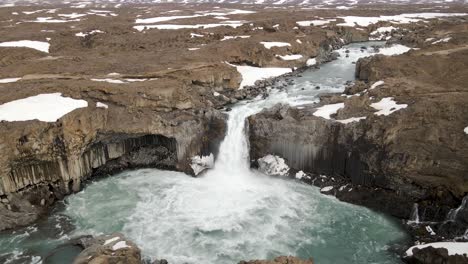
(101,105)
(273,165)
(387,106)
(37,45)
(311,62)
(300,175)
(270,44)
(252,74)
(376,84)
(120,245)
(201,163)
(44,107)
(9,80)
(290,57)
(454,248)
(111,240)
(326,189)
(327,110)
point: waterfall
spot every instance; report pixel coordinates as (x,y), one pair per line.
(452,215)
(414,219)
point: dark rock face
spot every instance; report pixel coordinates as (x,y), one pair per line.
(431,255)
(66,161)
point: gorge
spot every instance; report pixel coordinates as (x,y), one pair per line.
(205,132)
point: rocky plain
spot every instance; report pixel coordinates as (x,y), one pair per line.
(155,82)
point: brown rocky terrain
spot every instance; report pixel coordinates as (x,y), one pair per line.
(169,111)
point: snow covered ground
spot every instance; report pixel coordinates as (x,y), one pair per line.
(252,74)
(271,44)
(387,106)
(37,45)
(43,107)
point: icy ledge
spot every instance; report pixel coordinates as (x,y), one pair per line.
(273,165)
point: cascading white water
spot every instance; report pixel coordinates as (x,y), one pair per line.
(414,219)
(233,213)
(452,215)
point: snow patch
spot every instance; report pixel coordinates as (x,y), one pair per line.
(307,23)
(326,189)
(387,106)
(101,105)
(394,50)
(327,110)
(120,245)
(108,241)
(234,37)
(174,27)
(300,175)
(454,248)
(43,107)
(376,84)
(311,62)
(271,44)
(273,165)
(290,57)
(351,21)
(252,74)
(9,80)
(351,120)
(441,40)
(37,45)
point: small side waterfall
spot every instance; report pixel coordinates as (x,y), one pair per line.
(414,219)
(452,215)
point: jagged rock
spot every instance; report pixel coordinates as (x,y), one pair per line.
(280,260)
(431,255)
(107,249)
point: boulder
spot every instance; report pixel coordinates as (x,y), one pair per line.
(109,249)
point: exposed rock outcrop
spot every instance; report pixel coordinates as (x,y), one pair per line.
(106,249)
(430,255)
